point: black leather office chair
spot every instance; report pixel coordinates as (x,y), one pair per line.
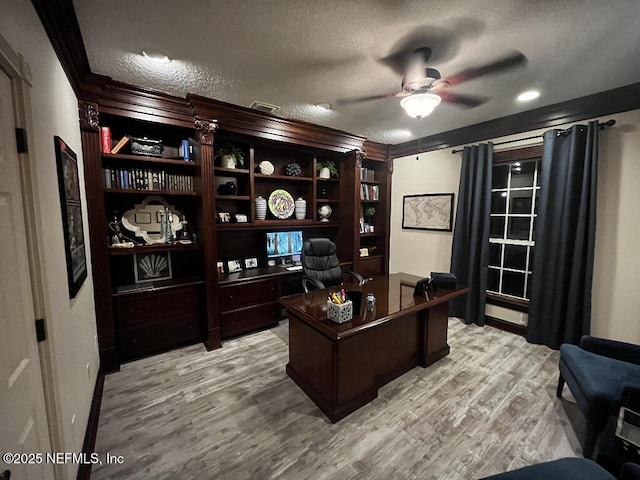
(321,266)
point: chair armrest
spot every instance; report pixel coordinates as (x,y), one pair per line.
(315,283)
(630,471)
(627,352)
(355,275)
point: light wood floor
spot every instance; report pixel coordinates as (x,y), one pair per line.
(233,414)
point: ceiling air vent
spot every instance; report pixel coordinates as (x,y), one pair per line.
(264,107)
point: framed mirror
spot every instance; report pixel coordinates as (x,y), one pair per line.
(145,219)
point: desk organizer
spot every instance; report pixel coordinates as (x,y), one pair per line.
(340,313)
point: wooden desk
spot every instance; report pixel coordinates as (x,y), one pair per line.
(342,366)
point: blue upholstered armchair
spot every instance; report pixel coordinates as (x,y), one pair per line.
(598,372)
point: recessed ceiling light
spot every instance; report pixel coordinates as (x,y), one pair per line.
(528,95)
(324,105)
(156,55)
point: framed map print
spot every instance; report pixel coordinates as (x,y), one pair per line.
(428,211)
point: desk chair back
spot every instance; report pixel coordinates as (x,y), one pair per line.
(320,261)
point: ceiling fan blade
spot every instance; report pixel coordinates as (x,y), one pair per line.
(512,60)
(443,43)
(467,101)
(368,98)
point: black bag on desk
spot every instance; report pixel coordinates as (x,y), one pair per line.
(421,287)
(443,280)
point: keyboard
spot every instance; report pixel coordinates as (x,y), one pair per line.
(295,268)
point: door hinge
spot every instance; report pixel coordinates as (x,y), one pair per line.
(41,334)
(21,140)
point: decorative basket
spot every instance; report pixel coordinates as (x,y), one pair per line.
(340,313)
(145,146)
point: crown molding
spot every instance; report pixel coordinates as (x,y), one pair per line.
(246,121)
(61,25)
(617,100)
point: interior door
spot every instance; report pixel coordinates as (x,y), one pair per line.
(24,427)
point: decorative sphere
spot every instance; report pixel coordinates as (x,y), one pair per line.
(325,212)
(293,170)
(266,167)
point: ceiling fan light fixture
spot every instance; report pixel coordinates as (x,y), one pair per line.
(156,55)
(420,105)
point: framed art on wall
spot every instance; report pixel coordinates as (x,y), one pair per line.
(428,211)
(69,187)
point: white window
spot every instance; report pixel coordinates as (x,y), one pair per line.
(514,195)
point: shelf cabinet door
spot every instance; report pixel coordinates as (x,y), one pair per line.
(238,295)
(160,336)
(245,320)
(147,322)
(150,307)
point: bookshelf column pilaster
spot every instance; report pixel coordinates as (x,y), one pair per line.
(205,131)
(92,160)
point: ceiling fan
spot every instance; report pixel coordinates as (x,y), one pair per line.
(423,87)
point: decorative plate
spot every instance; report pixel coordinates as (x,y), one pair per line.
(281,204)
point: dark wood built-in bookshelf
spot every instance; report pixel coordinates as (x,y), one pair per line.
(198,303)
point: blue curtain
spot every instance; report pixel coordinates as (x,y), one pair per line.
(470,252)
(560,302)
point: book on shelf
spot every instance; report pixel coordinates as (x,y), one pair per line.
(105,138)
(123,141)
(367,174)
(369,192)
(188,149)
(184,150)
(146,179)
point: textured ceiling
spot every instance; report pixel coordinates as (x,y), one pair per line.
(296,53)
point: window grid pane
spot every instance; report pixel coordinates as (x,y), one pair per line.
(513,215)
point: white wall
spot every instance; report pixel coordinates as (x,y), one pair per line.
(616,287)
(71,324)
(419,251)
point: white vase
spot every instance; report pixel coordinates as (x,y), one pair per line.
(228,161)
(324,173)
(261,208)
(300,208)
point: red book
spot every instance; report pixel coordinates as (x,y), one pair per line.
(105,134)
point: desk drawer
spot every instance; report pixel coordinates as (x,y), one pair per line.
(248,319)
(147,307)
(249,293)
(141,340)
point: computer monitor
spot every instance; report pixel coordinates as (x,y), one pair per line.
(286,246)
